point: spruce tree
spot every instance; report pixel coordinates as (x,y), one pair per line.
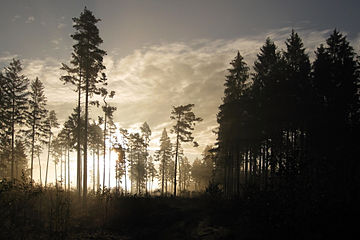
(51,123)
(36,120)
(164,155)
(145,134)
(15,103)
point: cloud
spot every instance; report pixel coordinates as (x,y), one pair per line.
(150,80)
(30,19)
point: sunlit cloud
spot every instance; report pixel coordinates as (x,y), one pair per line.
(151,80)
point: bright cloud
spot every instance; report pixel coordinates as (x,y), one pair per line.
(152,79)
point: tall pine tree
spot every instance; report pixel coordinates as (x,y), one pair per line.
(36,120)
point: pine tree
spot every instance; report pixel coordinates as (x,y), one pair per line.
(185,122)
(233,119)
(298,96)
(37,118)
(51,123)
(15,102)
(151,172)
(164,155)
(107,120)
(336,80)
(95,142)
(145,134)
(21,158)
(87,61)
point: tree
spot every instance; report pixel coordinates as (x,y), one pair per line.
(51,123)
(108,119)
(185,176)
(202,170)
(55,153)
(164,155)
(21,159)
(151,172)
(95,141)
(234,120)
(87,60)
(120,170)
(15,104)
(37,118)
(137,162)
(185,122)
(145,134)
(336,80)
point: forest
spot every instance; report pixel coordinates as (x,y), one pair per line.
(285,163)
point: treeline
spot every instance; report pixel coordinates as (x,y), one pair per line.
(291,124)
(25,122)
(27,127)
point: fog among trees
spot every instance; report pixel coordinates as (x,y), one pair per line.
(284,165)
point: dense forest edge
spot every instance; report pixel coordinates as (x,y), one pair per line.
(285,163)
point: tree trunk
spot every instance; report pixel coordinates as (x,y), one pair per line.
(32,151)
(78,175)
(48,159)
(176,154)
(109,158)
(93,175)
(163,176)
(103,187)
(12,140)
(39,168)
(69,169)
(98,169)
(86,142)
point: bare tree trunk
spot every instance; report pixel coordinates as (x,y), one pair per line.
(78,175)
(32,153)
(176,155)
(86,142)
(13,141)
(39,168)
(93,171)
(48,159)
(163,176)
(98,169)
(109,158)
(103,187)
(65,175)
(69,169)
(61,168)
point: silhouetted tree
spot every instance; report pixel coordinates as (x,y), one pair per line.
(163,155)
(15,102)
(108,119)
(336,80)
(87,60)
(51,123)
(36,119)
(95,141)
(145,134)
(185,122)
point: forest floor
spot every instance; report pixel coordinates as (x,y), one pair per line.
(208,219)
(52,214)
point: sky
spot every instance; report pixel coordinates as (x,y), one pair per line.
(163,53)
